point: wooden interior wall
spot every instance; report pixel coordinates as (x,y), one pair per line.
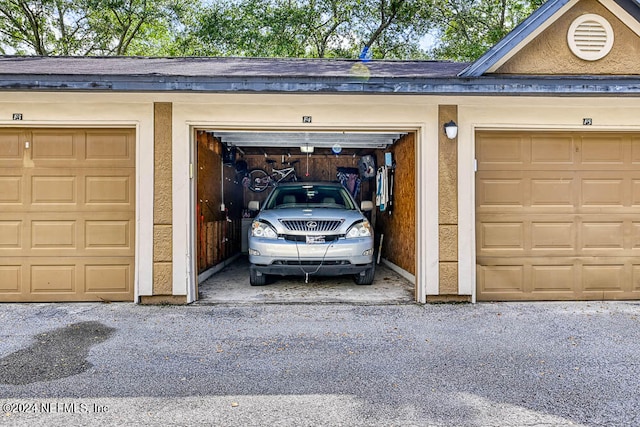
(218,230)
(399,242)
(321,167)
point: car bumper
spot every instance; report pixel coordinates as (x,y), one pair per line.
(283,257)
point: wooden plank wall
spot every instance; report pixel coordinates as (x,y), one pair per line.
(218,230)
(321,167)
(399,243)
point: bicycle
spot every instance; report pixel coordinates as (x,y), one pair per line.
(257,180)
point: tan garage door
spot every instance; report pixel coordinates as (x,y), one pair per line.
(558,216)
(67,214)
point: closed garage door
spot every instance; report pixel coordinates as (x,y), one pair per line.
(67,214)
(558,216)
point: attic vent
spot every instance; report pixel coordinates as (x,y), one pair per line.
(590,37)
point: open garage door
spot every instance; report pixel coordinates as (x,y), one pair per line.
(316,156)
(67,214)
(557,215)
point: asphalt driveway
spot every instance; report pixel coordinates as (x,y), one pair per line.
(514,364)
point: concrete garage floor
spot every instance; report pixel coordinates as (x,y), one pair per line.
(231,286)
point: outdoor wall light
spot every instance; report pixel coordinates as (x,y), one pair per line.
(306,148)
(451,129)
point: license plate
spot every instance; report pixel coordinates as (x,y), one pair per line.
(315,239)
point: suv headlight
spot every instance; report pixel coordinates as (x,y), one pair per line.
(263,229)
(360,229)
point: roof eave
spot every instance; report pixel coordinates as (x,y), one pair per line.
(485,85)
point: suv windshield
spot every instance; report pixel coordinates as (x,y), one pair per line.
(307,195)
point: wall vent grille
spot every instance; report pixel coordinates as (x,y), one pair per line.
(590,37)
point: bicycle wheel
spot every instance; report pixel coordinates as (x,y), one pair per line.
(258,180)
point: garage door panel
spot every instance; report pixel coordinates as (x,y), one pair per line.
(62,234)
(552,192)
(635,192)
(502,150)
(602,235)
(500,192)
(603,277)
(10,279)
(635,235)
(541,190)
(54,235)
(54,189)
(501,279)
(578,232)
(10,234)
(71,190)
(10,190)
(110,147)
(67,214)
(502,236)
(113,189)
(606,149)
(55,146)
(11,148)
(110,276)
(553,236)
(53,278)
(108,235)
(66,279)
(552,149)
(635,150)
(552,278)
(603,192)
(635,278)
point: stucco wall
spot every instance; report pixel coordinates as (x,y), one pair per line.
(162,209)
(549,53)
(448,204)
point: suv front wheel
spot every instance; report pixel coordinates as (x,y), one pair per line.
(366,277)
(256,278)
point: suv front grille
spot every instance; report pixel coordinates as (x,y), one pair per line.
(303,238)
(312,225)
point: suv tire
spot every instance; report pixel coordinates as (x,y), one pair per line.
(366,278)
(257,279)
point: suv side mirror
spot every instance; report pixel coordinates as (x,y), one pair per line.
(254,205)
(366,206)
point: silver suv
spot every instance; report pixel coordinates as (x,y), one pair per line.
(308,228)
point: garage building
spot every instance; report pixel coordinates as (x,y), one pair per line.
(117,182)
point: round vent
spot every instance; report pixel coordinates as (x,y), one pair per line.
(590,37)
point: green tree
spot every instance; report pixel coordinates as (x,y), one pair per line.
(86,27)
(391,29)
(312,28)
(466,29)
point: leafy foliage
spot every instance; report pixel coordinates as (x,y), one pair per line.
(311,28)
(84,27)
(468,28)
(390,29)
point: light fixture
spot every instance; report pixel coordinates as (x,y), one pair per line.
(337,148)
(451,129)
(306,148)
